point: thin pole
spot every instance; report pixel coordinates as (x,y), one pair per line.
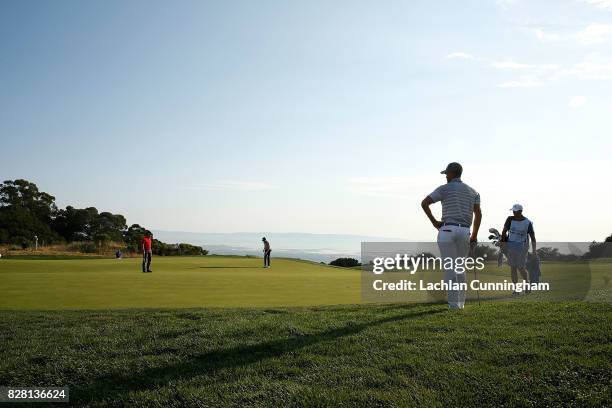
(477,290)
(472,254)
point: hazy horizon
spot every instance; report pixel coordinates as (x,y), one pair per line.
(314,247)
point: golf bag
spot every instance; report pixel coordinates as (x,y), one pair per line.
(533,268)
(496,240)
(533,262)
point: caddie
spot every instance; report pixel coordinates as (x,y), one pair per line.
(517,231)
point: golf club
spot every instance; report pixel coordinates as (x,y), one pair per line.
(496,240)
(472,254)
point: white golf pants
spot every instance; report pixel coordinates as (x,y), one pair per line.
(454,242)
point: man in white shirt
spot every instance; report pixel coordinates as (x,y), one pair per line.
(459,203)
(515,235)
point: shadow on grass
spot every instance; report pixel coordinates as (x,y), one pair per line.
(112,386)
(230,267)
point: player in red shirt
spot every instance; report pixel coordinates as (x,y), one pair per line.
(146,251)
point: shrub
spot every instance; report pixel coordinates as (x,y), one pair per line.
(86,247)
(345,262)
(163,249)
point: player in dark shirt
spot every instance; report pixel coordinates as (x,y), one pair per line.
(266,251)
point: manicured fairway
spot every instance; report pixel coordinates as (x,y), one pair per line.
(497,354)
(217,281)
(175,282)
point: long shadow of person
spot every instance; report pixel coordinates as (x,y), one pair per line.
(208,363)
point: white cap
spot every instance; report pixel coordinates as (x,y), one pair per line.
(517,207)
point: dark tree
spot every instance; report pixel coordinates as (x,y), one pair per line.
(107,227)
(26,212)
(345,262)
(22,193)
(600,249)
(75,224)
(133,237)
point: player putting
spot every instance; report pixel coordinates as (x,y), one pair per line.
(266,252)
(147,252)
(459,203)
(516,233)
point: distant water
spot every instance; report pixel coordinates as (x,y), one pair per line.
(313,247)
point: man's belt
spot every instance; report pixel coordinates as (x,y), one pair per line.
(454,224)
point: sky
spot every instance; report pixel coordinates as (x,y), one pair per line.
(318,116)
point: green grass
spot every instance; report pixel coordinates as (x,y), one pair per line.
(222,331)
(62,257)
(496,354)
(176,282)
(219,281)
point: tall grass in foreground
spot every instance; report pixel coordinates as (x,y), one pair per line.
(496,354)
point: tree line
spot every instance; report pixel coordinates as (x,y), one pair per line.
(28,214)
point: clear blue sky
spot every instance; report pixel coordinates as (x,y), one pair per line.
(318,116)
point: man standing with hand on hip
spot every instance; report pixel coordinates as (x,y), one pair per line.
(459,202)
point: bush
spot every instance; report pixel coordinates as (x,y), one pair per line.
(345,262)
(163,249)
(88,247)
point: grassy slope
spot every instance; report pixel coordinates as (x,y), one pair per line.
(376,355)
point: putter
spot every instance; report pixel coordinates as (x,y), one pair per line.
(477,290)
(471,254)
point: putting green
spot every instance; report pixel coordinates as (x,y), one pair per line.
(176,282)
(217,281)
